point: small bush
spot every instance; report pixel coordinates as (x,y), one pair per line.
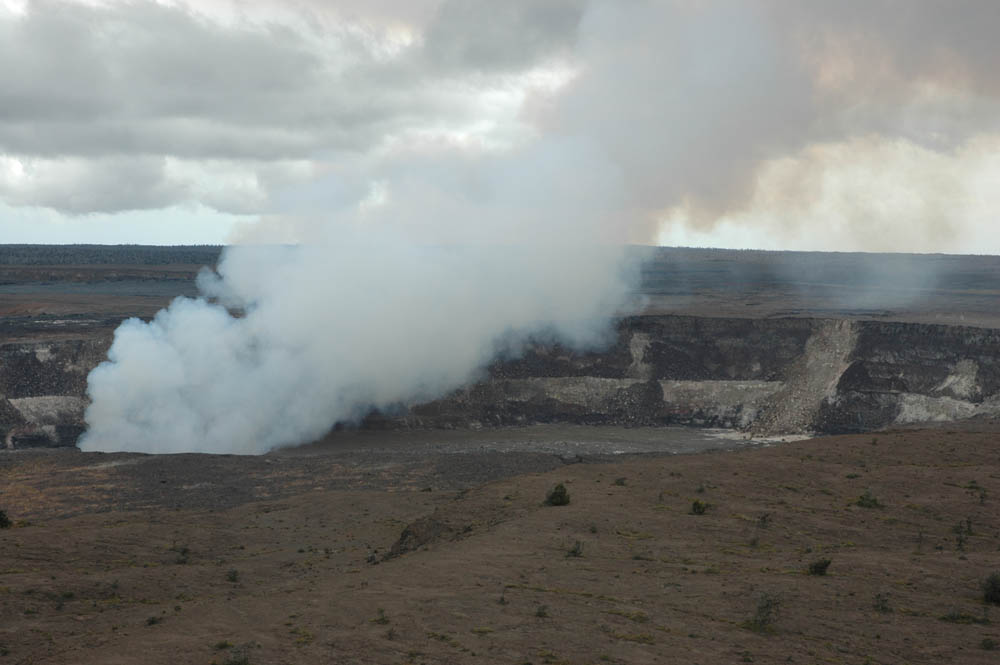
(868,500)
(153,620)
(183,554)
(881,603)
(558,496)
(964,617)
(819,566)
(620,482)
(988,644)
(5,522)
(239,657)
(542,611)
(991,588)
(381,618)
(766,614)
(233,575)
(698,507)
(576,550)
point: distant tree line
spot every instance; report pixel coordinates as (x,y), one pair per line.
(30,255)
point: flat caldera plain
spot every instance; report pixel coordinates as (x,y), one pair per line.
(851,549)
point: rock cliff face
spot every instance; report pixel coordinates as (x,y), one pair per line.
(43,390)
(765,376)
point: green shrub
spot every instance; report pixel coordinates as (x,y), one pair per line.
(558,496)
(766,614)
(5,522)
(698,507)
(881,603)
(238,657)
(991,588)
(868,500)
(964,617)
(819,566)
(576,550)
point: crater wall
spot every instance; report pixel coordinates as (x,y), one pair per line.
(765,376)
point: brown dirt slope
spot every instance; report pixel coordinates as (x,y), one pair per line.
(623,574)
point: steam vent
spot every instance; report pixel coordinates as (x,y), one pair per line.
(763,343)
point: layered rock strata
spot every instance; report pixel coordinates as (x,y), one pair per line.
(764,376)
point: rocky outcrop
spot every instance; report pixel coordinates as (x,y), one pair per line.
(765,376)
(43,390)
(906,373)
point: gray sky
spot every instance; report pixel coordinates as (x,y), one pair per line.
(855,125)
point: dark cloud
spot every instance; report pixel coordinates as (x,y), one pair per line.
(145,78)
(489,35)
(678,103)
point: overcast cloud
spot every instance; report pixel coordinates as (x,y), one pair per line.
(756,123)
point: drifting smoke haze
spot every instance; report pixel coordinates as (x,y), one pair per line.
(453,173)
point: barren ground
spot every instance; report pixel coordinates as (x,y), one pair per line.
(491,578)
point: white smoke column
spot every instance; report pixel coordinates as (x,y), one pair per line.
(329,330)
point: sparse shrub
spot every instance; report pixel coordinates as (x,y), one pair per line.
(764,520)
(698,507)
(819,566)
(766,614)
(881,603)
(233,575)
(238,657)
(964,617)
(868,500)
(153,620)
(620,482)
(988,645)
(5,522)
(183,554)
(576,550)
(558,496)
(959,537)
(542,611)
(222,644)
(381,618)
(991,588)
